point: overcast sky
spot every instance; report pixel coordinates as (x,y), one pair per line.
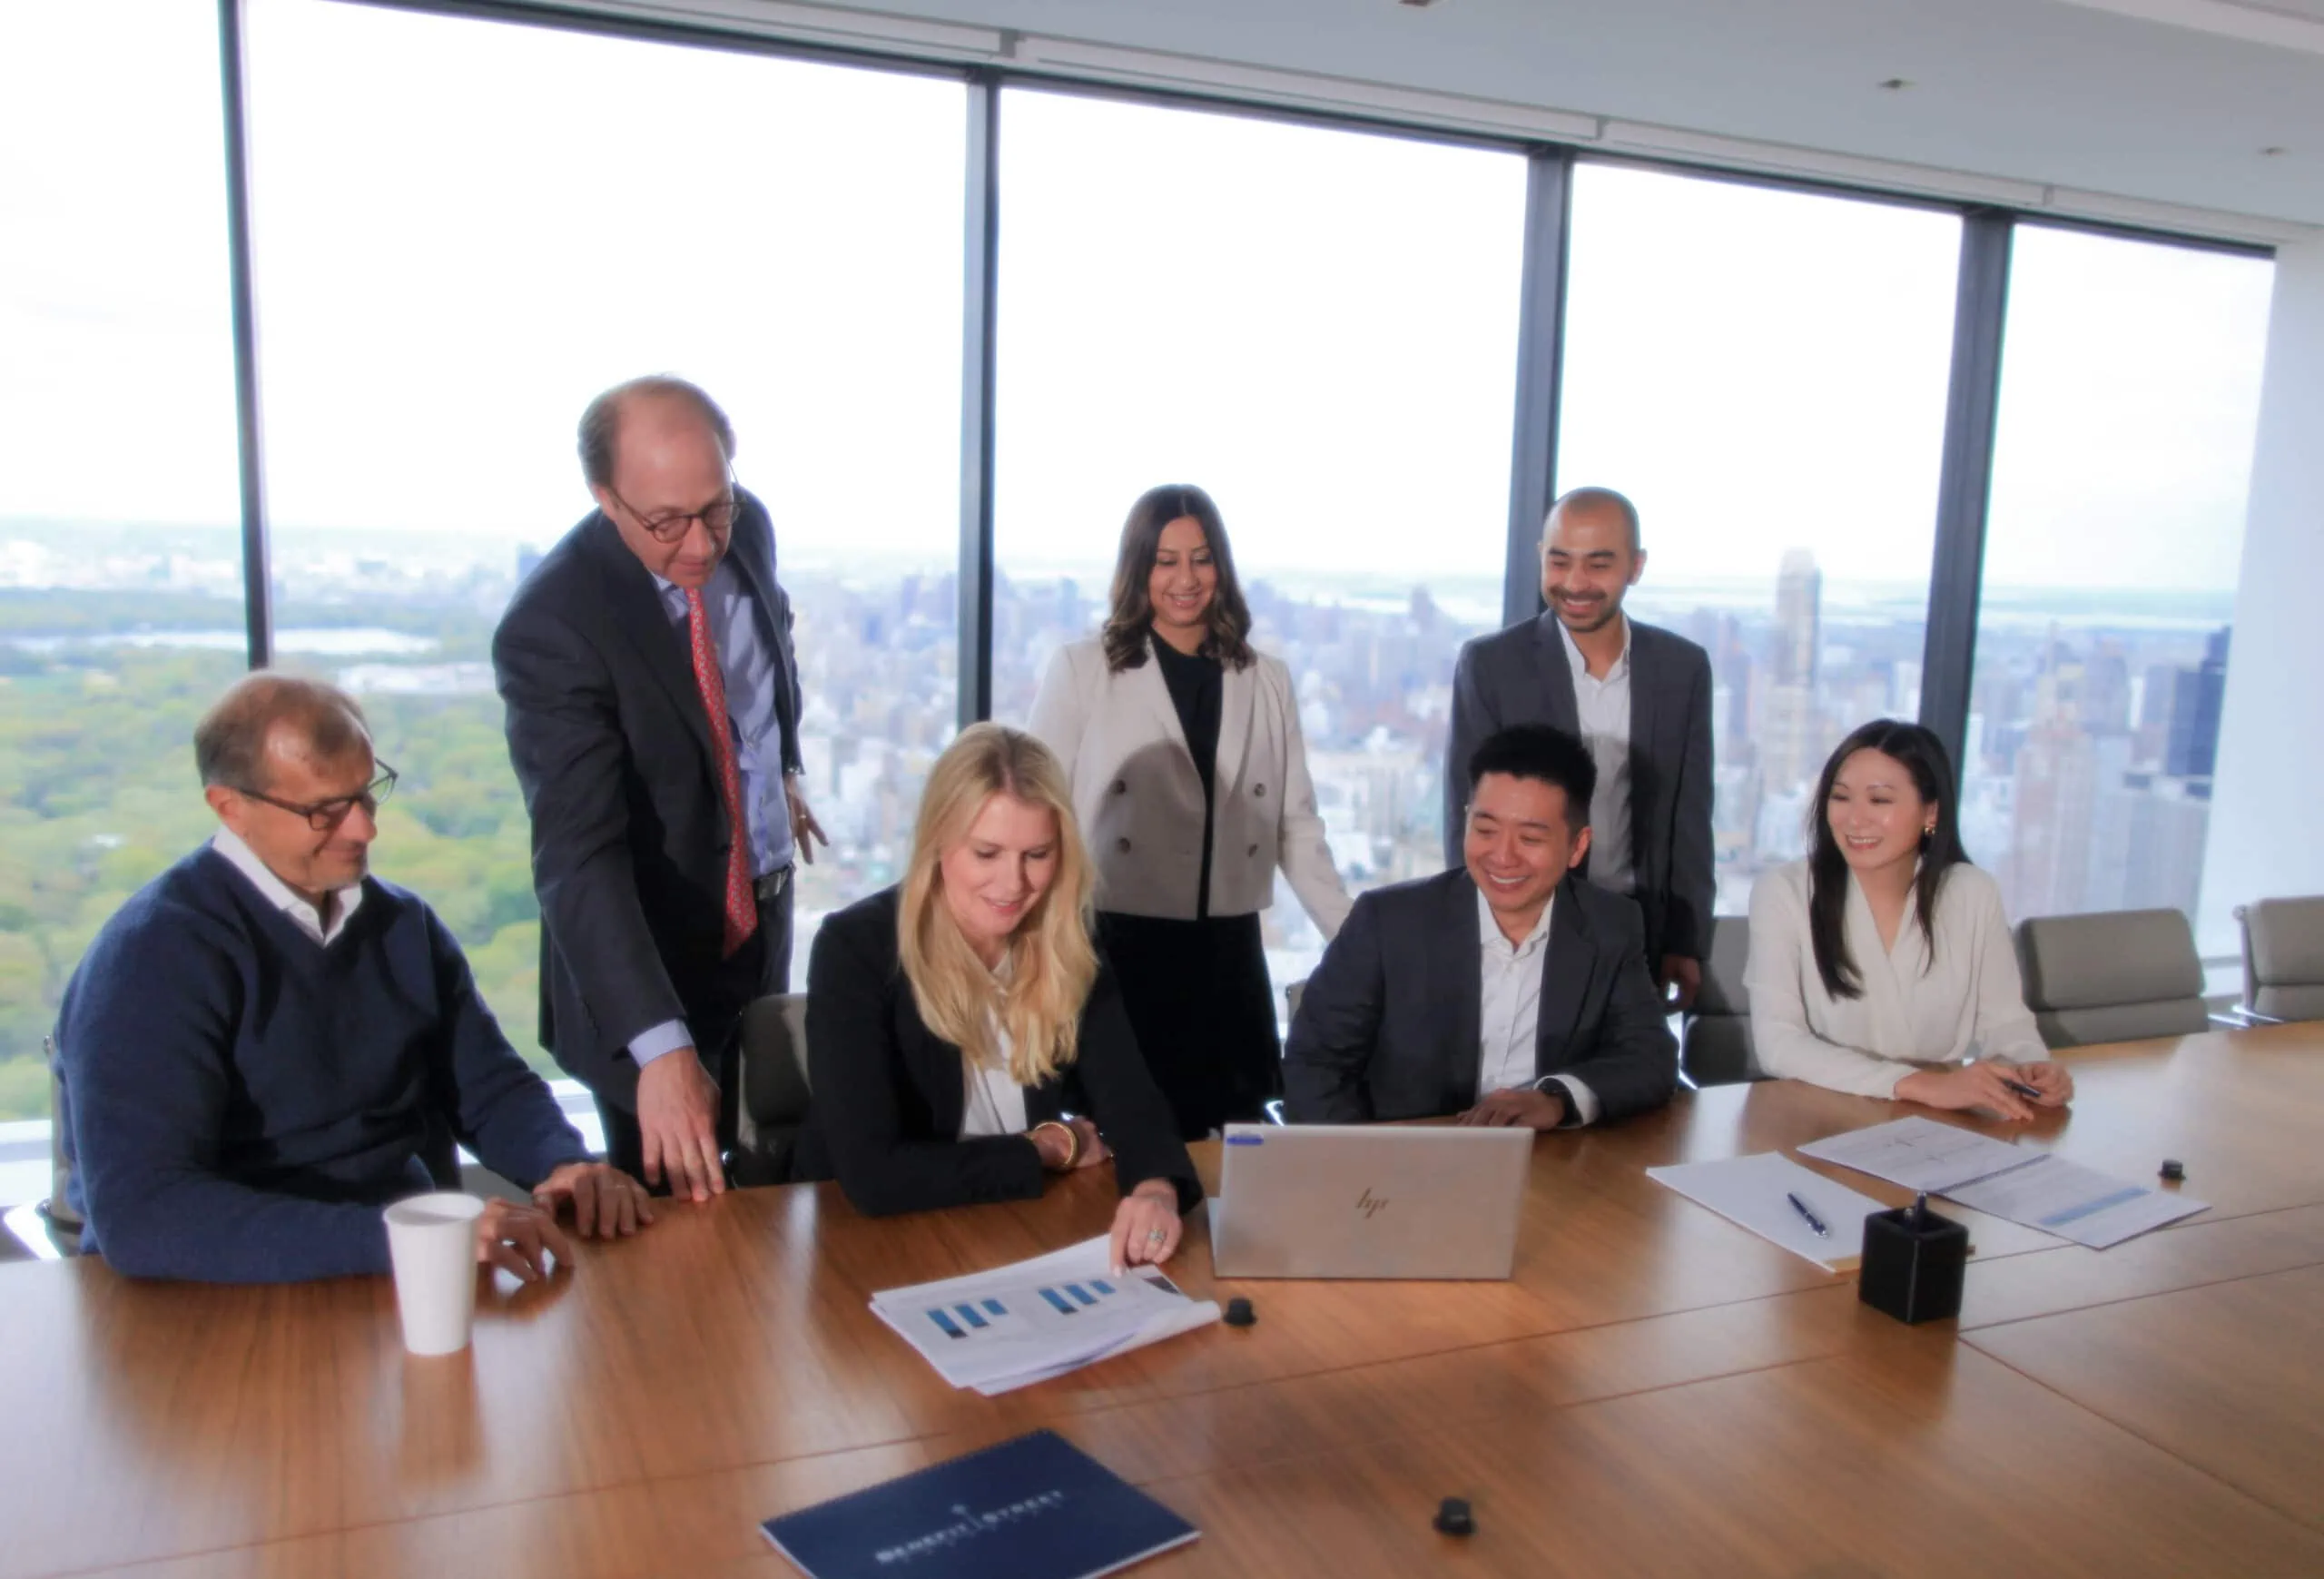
(464,229)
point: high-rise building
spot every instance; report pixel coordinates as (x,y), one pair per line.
(1799,598)
(2146,842)
(2058,774)
(1793,726)
(2193,750)
(2105,699)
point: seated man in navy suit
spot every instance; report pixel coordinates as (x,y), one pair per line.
(1503,990)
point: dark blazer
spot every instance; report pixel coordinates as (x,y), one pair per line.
(1520,676)
(1387,1026)
(612,749)
(885,1116)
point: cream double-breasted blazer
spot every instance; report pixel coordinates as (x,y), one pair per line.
(1140,800)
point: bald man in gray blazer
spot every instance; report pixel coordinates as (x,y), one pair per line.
(1639,696)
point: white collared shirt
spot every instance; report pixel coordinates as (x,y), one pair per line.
(1509,1016)
(993,1103)
(280,894)
(1602,708)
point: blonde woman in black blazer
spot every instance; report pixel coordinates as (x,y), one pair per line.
(954,1020)
(1190,776)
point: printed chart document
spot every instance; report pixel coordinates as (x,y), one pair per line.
(1754,1192)
(2075,1202)
(1036,1507)
(1016,1325)
(2038,1188)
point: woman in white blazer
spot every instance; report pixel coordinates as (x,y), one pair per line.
(1190,780)
(1882,961)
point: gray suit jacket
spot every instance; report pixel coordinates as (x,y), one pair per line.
(1520,676)
(1387,1026)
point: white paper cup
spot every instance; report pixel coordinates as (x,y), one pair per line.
(431,1241)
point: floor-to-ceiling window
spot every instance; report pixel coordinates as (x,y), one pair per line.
(1317,326)
(463,231)
(120,580)
(1763,373)
(2130,391)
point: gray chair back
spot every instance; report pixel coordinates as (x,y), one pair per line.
(2117,976)
(2283,958)
(1715,1046)
(773,1098)
(1273,1106)
(49,1230)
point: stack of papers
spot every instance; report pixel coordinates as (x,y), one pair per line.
(1755,1191)
(1017,1324)
(2038,1188)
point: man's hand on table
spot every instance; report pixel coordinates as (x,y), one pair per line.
(1519,1106)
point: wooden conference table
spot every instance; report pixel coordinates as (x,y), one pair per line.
(1655,1392)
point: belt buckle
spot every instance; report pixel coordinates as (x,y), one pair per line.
(769,886)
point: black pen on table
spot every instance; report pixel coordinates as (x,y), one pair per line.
(1812,1220)
(2032,1093)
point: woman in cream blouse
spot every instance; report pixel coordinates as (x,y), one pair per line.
(1883,960)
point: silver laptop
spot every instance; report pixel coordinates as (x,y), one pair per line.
(1368,1200)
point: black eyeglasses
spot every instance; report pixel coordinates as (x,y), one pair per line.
(323,816)
(717,519)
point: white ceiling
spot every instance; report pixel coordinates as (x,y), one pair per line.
(2167,101)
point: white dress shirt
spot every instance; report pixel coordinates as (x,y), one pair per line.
(1510,1014)
(1603,708)
(282,896)
(991,1102)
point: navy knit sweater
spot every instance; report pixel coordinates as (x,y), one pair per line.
(241,1099)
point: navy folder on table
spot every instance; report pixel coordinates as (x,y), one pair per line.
(1034,1507)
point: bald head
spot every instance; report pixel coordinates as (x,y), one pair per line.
(1591,558)
(658,405)
(659,457)
(1596,503)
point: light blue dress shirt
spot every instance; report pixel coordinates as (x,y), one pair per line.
(754,726)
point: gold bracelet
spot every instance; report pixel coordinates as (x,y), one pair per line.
(1072,1141)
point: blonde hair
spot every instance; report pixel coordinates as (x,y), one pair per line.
(1051,960)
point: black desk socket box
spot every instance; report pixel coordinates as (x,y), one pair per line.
(1913,1266)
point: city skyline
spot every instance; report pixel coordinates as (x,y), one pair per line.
(2065,790)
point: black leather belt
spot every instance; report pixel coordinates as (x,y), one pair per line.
(769,886)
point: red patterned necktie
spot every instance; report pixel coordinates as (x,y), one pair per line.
(742,904)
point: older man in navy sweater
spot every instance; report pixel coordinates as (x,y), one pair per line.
(265,1042)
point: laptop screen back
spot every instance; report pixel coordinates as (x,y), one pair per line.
(1368,1200)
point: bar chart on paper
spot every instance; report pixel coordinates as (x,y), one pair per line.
(1070,1298)
(1014,1325)
(986,1315)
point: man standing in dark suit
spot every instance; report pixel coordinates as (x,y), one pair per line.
(653,717)
(1639,697)
(1501,991)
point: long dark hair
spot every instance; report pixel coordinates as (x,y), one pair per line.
(1132,618)
(1923,755)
